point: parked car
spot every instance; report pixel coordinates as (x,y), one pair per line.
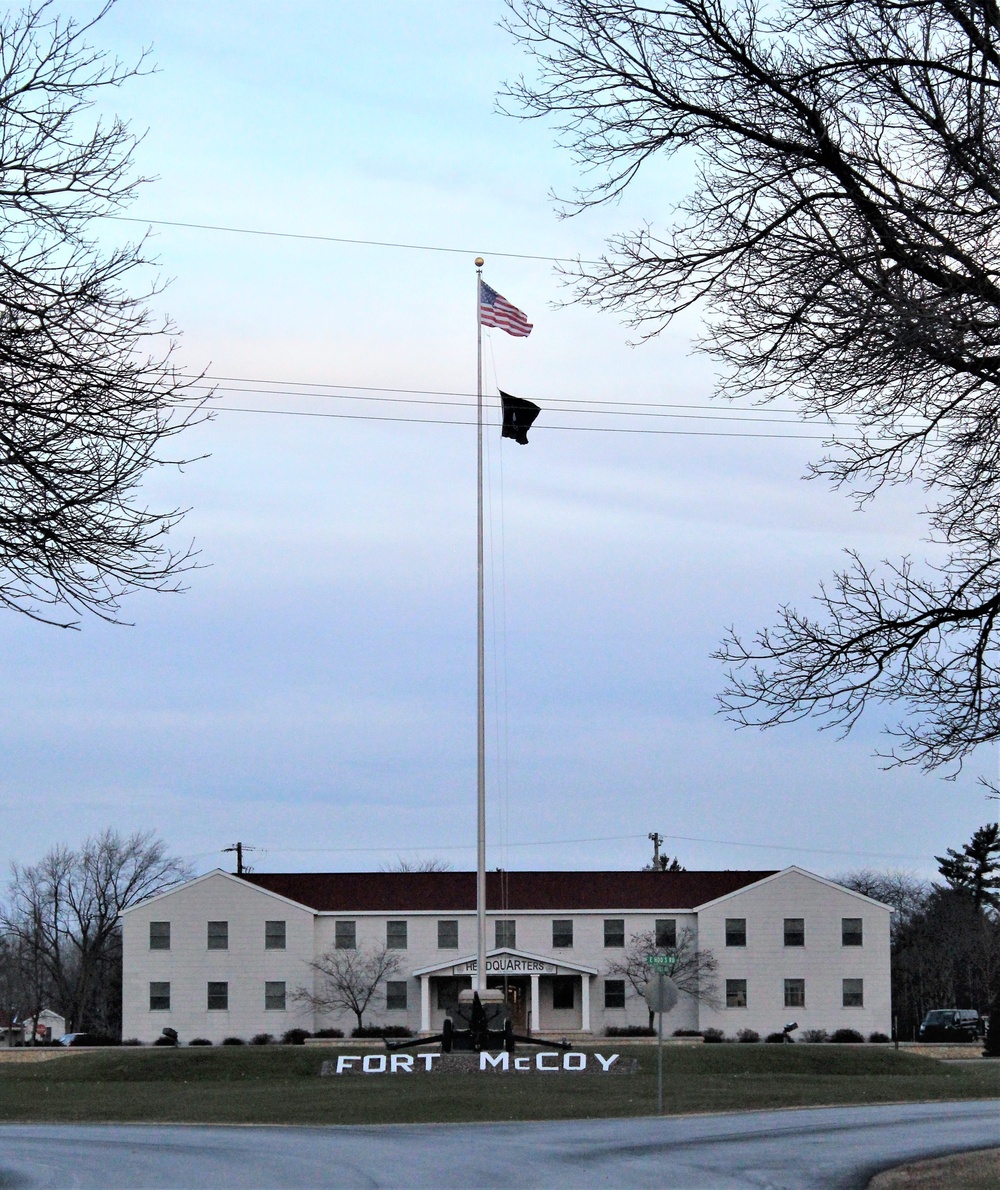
(951,1024)
(76,1039)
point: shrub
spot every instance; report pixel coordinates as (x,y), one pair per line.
(814,1036)
(329,1033)
(233,1041)
(687,1032)
(629,1031)
(776,1038)
(381,1031)
(748,1036)
(846,1037)
(199,1041)
(132,1041)
(295,1036)
(713,1036)
(878,1038)
(165,1041)
(261,1039)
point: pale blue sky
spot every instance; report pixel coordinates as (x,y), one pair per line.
(315,687)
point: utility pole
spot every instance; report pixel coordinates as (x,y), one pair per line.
(239,848)
(657,839)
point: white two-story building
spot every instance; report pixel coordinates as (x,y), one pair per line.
(223,955)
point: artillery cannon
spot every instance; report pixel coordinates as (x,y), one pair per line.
(478,1035)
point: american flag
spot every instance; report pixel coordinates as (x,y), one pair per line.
(495,310)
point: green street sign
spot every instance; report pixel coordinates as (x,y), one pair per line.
(662,962)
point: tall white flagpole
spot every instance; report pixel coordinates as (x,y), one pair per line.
(481,625)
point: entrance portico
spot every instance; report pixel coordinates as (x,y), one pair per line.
(521,972)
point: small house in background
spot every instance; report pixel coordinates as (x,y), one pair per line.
(15,1030)
(51,1026)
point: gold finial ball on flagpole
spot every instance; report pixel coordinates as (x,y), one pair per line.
(479,262)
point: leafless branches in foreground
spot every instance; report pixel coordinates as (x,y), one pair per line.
(842,236)
(88,391)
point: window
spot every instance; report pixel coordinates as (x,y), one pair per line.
(447,935)
(736,993)
(614,931)
(795,993)
(345,935)
(395,994)
(564,991)
(736,931)
(159,935)
(562,935)
(274,935)
(614,993)
(159,997)
(852,931)
(666,933)
(218,935)
(854,993)
(218,997)
(795,931)
(395,935)
(448,990)
(274,995)
(506,933)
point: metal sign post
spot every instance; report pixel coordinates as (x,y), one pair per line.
(661,996)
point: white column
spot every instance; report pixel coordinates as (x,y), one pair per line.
(425,1003)
(585,1003)
(535,1025)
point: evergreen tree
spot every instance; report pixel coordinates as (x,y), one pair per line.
(975,870)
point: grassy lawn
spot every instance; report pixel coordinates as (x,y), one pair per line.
(280,1085)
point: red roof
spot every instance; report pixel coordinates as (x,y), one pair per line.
(411,892)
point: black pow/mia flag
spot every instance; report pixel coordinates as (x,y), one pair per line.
(518,416)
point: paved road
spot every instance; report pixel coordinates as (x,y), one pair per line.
(791,1150)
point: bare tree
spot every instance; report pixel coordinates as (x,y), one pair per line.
(842,236)
(906,893)
(65,911)
(348,979)
(402,864)
(694,974)
(88,390)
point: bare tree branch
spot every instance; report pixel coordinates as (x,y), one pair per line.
(89,392)
(842,238)
(348,979)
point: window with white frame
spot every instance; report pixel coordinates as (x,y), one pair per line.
(218,996)
(736,993)
(218,935)
(852,931)
(614,993)
(736,931)
(614,932)
(666,933)
(795,993)
(448,935)
(274,995)
(159,997)
(854,993)
(159,935)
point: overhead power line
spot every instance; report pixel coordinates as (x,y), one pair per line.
(296,235)
(441,421)
(855,854)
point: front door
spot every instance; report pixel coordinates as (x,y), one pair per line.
(517,995)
